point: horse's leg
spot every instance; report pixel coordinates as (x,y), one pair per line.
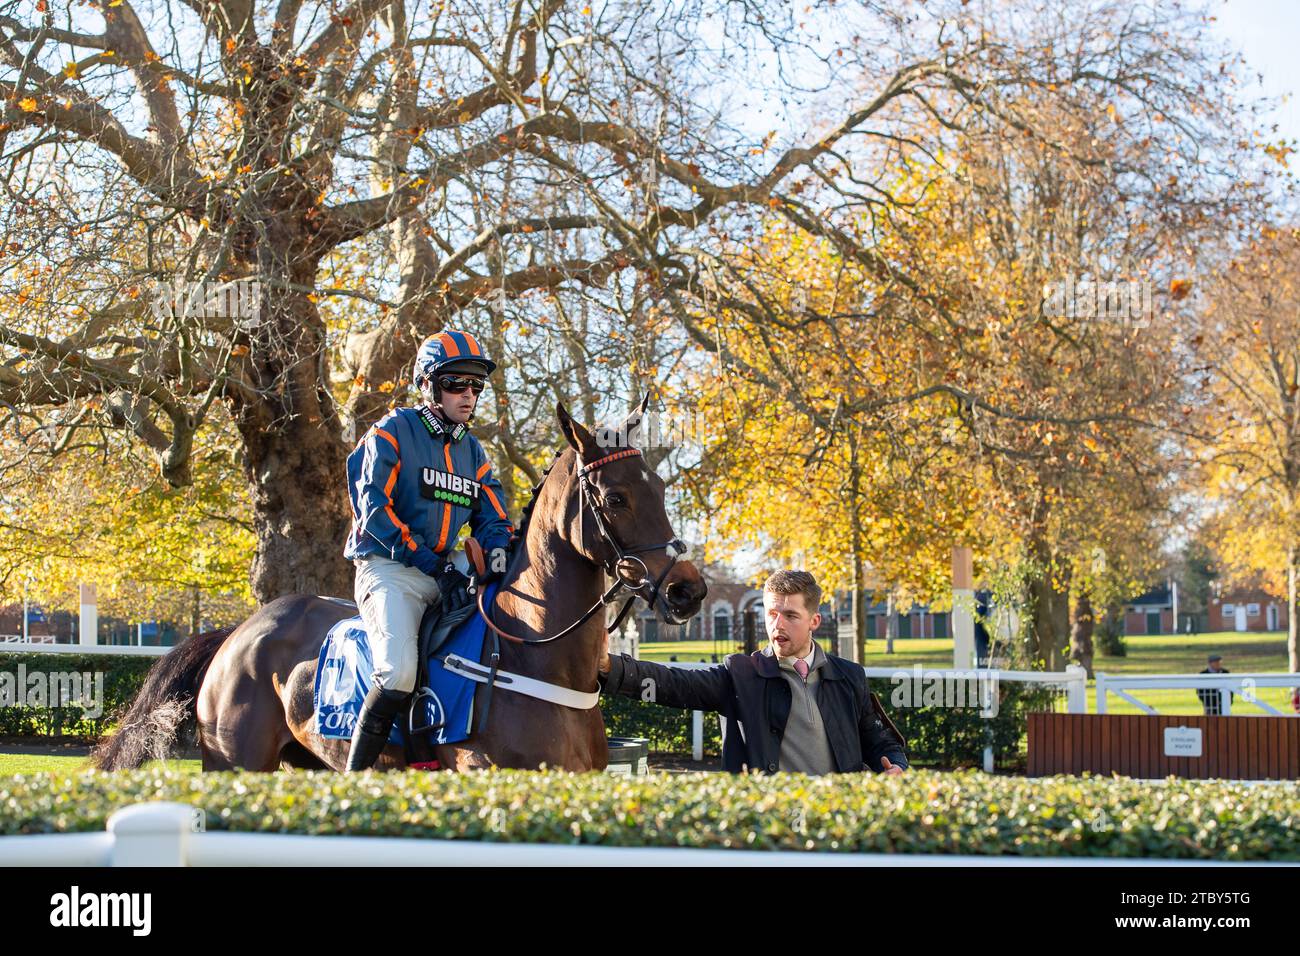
(295,756)
(521,728)
(462,756)
(212,759)
(240,716)
(299,709)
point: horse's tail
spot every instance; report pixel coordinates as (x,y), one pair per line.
(164,706)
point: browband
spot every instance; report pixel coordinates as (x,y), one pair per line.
(625,453)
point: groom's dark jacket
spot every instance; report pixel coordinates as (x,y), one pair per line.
(754,700)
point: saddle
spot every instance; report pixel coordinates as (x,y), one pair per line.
(439,621)
(441,709)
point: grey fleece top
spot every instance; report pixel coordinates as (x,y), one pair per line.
(804,746)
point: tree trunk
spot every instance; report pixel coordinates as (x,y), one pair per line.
(196,609)
(891,622)
(856,543)
(1050,624)
(294,455)
(300,512)
(1081,649)
(1292,651)
(858,648)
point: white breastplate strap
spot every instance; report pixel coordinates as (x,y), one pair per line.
(564,696)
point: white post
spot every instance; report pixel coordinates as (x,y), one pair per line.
(963,609)
(1101,692)
(151,834)
(1077,691)
(1225,696)
(1173,587)
(988,759)
(697,735)
(89,619)
(139,634)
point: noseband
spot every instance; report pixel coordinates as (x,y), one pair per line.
(675,549)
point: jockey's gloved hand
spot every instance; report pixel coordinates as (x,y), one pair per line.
(450,580)
(496,565)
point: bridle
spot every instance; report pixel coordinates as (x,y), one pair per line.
(620,554)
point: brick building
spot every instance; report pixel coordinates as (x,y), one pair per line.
(733,611)
(1247,609)
(1150,613)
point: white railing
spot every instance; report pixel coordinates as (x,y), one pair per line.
(124,650)
(169,834)
(1074,681)
(1243,685)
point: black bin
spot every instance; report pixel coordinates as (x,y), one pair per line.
(629,756)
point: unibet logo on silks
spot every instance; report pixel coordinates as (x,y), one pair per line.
(445,486)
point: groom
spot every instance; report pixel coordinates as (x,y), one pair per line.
(789,707)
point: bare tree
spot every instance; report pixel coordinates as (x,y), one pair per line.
(449,162)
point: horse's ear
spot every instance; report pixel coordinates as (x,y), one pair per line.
(633,420)
(574,433)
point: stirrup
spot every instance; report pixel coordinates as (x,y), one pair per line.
(410,716)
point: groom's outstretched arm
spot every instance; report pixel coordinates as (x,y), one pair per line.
(688,688)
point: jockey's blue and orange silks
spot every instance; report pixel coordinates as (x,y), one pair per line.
(414,481)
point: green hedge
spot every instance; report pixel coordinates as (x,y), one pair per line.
(936,737)
(123,677)
(957,736)
(920,812)
(667,729)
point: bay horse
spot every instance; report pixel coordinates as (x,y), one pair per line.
(248,691)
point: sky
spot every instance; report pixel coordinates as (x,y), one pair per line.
(1267,32)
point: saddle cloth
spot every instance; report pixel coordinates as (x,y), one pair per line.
(345,666)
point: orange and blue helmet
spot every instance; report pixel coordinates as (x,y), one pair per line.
(451,350)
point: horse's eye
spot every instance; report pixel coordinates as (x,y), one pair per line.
(616,501)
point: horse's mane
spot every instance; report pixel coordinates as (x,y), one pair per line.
(527,515)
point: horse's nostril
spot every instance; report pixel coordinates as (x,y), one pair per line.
(683,593)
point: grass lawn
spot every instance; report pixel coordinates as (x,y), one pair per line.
(37,763)
(1165,654)
(1161,654)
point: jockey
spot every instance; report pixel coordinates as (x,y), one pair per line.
(415,478)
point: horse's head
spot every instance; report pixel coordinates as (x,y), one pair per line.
(618,519)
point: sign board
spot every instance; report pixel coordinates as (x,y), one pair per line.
(625,769)
(1183,742)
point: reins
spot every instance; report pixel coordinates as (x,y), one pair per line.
(675,549)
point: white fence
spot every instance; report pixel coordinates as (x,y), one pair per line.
(1073,681)
(1242,685)
(164,834)
(44,647)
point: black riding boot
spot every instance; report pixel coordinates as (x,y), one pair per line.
(374,723)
